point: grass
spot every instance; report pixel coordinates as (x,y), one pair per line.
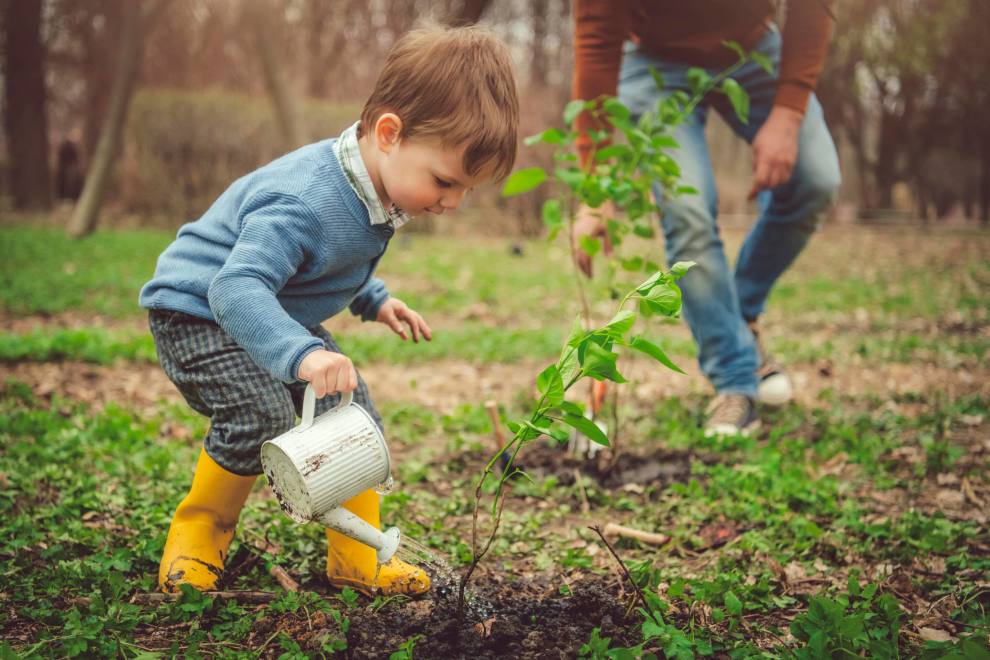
(843,529)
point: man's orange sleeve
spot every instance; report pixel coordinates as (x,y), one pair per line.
(807,30)
(600,28)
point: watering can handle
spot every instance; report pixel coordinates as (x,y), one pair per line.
(309,406)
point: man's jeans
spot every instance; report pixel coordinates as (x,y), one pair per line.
(715,301)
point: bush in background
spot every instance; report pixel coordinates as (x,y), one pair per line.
(184,148)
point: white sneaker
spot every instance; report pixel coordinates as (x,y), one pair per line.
(775,387)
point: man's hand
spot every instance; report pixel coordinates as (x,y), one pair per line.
(328,373)
(590,222)
(775,149)
(393,312)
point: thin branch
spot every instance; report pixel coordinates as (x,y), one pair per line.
(642,598)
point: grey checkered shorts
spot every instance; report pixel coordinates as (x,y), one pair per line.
(246,405)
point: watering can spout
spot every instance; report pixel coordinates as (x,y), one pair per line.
(341,520)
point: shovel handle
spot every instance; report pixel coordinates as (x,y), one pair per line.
(309,406)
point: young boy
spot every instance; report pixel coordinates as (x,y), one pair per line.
(237,299)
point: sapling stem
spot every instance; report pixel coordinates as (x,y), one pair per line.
(639,592)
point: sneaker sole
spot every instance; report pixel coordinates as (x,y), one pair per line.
(731,431)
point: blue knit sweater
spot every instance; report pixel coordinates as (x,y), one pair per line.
(282,249)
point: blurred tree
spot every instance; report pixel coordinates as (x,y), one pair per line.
(135,20)
(25,116)
(264,21)
(467,12)
(905,87)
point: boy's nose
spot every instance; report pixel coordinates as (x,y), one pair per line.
(452,200)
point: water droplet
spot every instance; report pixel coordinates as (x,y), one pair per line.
(385,487)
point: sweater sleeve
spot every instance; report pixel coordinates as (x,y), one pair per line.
(600,27)
(369,300)
(805,43)
(269,250)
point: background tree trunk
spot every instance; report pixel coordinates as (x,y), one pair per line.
(468,13)
(25,119)
(86,213)
(263,21)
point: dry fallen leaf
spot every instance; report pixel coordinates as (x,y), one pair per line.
(794,572)
(947,479)
(934,635)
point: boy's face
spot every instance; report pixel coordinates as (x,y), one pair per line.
(422,176)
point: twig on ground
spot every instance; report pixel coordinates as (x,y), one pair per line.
(970,494)
(612,529)
(281,576)
(639,592)
(585,506)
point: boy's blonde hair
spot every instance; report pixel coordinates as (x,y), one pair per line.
(454,85)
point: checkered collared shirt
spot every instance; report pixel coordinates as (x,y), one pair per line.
(349,155)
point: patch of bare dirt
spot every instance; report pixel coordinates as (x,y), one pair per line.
(444,385)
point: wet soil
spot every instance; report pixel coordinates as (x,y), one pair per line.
(660,467)
(530,619)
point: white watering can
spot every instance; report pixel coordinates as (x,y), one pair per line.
(323,462)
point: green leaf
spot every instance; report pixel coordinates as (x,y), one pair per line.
(571,407)
(620,324)
(765,62)
(657,77)
(571,176)
(523,180)
(599,135)
(643,230)
(654,351)
(632,263)
(591,246)
(615,109)
(612,151)
(599,363)
(550,384)
(664,141)
(852,584)
(572,109)
(738,98)
(698,78)
(568,364)
(680,269)
(685,190)
(735,48)
(549,136)
(733,604)
(578,333)
(587,427)
(649,283)
(551,216)
(665,299)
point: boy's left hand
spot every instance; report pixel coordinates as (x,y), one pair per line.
(394,312)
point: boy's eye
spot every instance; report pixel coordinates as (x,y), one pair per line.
(442,183)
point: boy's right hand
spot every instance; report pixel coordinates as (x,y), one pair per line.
(328,373)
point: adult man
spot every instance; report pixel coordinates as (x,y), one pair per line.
(795,167)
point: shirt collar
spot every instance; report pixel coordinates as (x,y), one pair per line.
(348,153)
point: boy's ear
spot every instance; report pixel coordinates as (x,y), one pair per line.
(388,130)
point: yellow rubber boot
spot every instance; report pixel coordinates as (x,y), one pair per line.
(202,527)
(353,564)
